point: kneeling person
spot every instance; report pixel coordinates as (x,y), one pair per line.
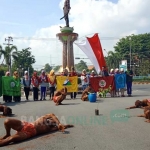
(59,96)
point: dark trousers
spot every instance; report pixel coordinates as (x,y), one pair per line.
(7,98)
(35,93)
(17,98)
(43,92)
(73,94)
(129,88)
(26,91)
(52,90)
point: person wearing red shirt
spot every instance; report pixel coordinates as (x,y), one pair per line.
(35,84)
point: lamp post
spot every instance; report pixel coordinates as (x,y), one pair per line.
(130,52)
(9,39)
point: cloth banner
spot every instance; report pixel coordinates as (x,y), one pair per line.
(102,82)
(92,48)
(71,83)
(11,86)
(0,86)
(120,81)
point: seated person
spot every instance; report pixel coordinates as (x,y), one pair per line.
(6,110)
(85,93)
(146,114)
(59,96)
(26,130)
(140,104)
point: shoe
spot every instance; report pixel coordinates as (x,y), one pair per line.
(44,99)
(40,99)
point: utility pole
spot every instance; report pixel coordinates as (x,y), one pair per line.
(9,39)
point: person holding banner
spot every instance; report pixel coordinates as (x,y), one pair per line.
(7,98)
(129,76)
(84,80)
(17,97)
(72,74)
(122,89)
(93,74)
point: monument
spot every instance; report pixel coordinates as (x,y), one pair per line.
(67,37)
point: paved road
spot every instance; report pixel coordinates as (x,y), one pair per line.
(114,129)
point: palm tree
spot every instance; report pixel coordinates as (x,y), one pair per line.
(7,53)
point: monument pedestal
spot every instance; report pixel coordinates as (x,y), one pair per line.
(67,37)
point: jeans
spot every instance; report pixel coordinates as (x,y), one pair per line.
(43,92)
(129,88)
(84,87)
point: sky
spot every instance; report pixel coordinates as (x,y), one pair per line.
(35,23)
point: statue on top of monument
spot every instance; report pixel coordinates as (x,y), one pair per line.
(66,10)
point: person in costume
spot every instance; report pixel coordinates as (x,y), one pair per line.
(7,98)
(18,83)
(35,83)
(26,130)
(43,85)
(60,95)
(52,83)
(140,104)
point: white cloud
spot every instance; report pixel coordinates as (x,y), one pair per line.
(87,17)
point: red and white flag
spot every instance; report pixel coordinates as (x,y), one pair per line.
(93,49)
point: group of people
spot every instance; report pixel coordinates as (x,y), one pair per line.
(128,75)
(33,83)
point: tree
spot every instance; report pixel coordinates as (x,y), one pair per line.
(47,68)
(7,53)
(25,61)
(81,65)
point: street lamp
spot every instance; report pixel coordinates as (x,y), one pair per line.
(130,51)
(80,58)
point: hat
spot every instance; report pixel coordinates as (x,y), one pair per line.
(84,70)
(92,70)
(111,70)
(25,72)
(43,71)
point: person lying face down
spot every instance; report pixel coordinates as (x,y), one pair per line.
(140,104)
(6,110)
(60,95)
(26,130)
(85,93)
(146,114)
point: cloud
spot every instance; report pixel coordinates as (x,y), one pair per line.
(109,19)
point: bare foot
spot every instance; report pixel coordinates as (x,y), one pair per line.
(4,137)
(148,121)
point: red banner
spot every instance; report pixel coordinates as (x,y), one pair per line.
(102,82)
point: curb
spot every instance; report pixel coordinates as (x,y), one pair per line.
(141,83)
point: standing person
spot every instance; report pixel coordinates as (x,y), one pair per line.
(26,84)
(92,74)
(18,82)
(52,83)
(122,89)
(104,72)
(117,90)
(129,79)
(113,92)
(43,85)
(72,74)
(65,72)
(35,84)
(7,98)
(84,80)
